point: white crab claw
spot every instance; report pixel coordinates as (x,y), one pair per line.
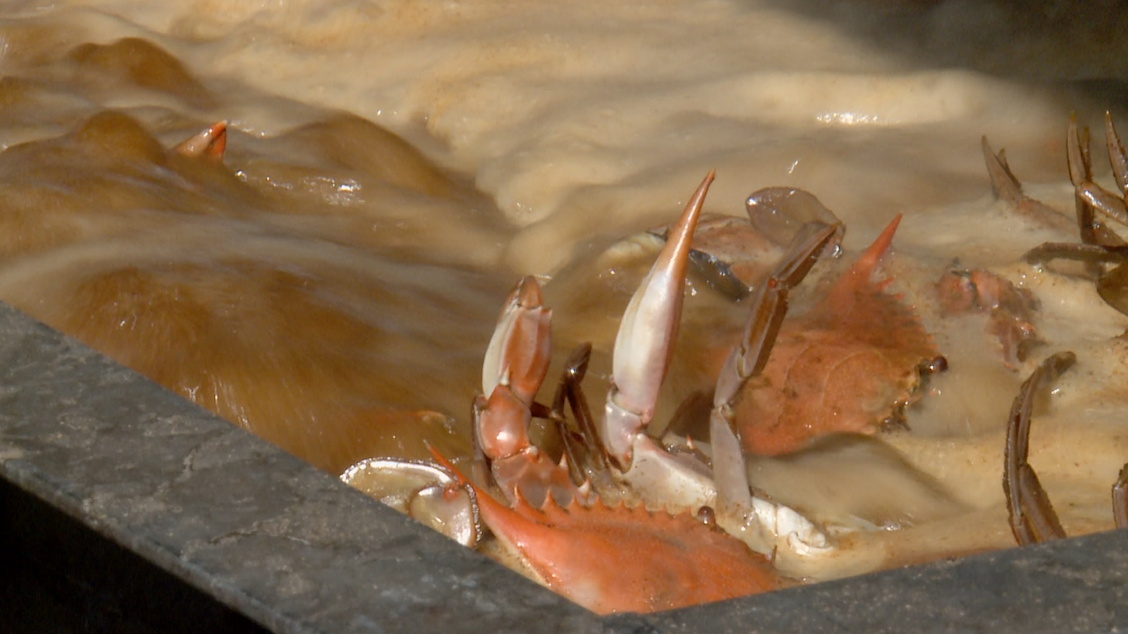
(426,492)
(646,337)
(519,351)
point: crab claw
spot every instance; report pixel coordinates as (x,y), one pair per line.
(430,494)
(519,351)
(515,366)
(209,144)
(646,338)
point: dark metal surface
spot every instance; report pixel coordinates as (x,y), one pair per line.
(129,509)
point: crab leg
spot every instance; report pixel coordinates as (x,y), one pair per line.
(768,310)
(1116,155)
(1112,205)
(1091,196)
(1003,181)
(1100,245)
(1032,516)
(1008,189)
(761,524)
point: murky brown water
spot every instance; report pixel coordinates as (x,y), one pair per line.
(393,168)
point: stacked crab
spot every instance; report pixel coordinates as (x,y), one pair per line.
(581,524)
(617,519)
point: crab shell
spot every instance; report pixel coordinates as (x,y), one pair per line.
(620,559)
(849,364)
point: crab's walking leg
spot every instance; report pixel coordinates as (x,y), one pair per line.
(1100,245)
(764,526)
(1116,155)
(1032,517)
(583,449)
(1008,189)
(1003,181)
(1112,205)
(1091,196)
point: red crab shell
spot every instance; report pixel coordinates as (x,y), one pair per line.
(619,559)
(849,364)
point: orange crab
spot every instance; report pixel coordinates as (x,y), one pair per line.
(851,363)
(557,521)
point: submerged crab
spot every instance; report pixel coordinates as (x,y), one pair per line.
(1100,246)
(558,520)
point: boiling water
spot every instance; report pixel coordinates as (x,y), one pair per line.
(393,167)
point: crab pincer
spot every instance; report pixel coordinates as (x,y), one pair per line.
(209,144)
(646,337)
(515,366)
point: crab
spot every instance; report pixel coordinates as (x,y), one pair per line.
(1100,246)
(851,364)
(1031,515)
(697,512)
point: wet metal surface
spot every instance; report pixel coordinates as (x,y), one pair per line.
(201,509)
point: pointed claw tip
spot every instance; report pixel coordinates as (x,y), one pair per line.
(528,292)
(211,143)
(681,234)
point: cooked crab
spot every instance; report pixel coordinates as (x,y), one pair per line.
(517,361)
(610,460)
